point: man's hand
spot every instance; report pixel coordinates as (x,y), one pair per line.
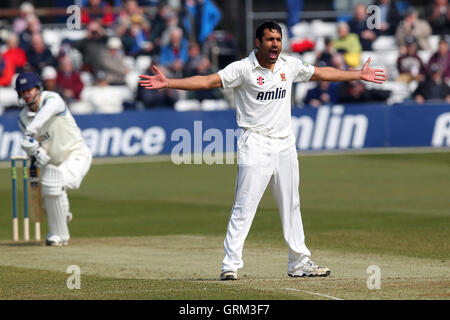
(30,145)
(158,81)
(372,75)
(41,157)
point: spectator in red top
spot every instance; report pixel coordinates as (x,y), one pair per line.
(6,72)
(69,80)
(97,10)
(15,54)
(442,59)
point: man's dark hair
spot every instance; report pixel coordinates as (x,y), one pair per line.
(271,25)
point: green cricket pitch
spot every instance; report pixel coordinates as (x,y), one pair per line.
(155,230)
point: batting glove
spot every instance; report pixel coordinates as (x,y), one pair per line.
(30,145)
(41,157)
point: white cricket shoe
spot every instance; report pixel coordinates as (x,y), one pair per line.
(228,275)
(55,240)
(69,217)
(309,268)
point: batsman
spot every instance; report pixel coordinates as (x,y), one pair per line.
(53,140)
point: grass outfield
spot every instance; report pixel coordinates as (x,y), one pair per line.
(155,231)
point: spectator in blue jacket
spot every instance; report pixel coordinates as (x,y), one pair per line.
(433,88)
(324,93)
(39,55)
(33,26)
(175,54)
(359,26)
(390,16)
(138,34)
(203,16)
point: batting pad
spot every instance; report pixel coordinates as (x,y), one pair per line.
(57,210)
(55,201)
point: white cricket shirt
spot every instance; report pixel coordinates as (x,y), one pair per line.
(263,97)
(55,128)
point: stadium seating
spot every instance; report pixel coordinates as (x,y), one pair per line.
(8,97)
(384,55)
(214,105)
(187,105)
(108,99)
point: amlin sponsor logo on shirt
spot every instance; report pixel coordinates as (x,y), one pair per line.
(279,93)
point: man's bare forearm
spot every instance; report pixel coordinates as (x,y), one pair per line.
(333,74)
(196,82)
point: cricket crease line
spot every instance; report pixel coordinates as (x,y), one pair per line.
(315,293)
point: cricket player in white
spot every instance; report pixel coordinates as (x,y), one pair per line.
(53,139)
(267,154)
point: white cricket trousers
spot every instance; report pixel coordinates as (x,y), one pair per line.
(55,179)
(262,161)
(75,167)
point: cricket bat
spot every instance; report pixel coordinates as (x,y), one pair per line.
(36,210)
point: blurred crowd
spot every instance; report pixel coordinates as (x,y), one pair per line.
(430,79)
(178,40)
(182,40)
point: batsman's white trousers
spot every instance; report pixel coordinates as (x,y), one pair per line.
(75,167)
(55,180)
(262,161)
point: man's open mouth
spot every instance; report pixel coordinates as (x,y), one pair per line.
(273,54)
